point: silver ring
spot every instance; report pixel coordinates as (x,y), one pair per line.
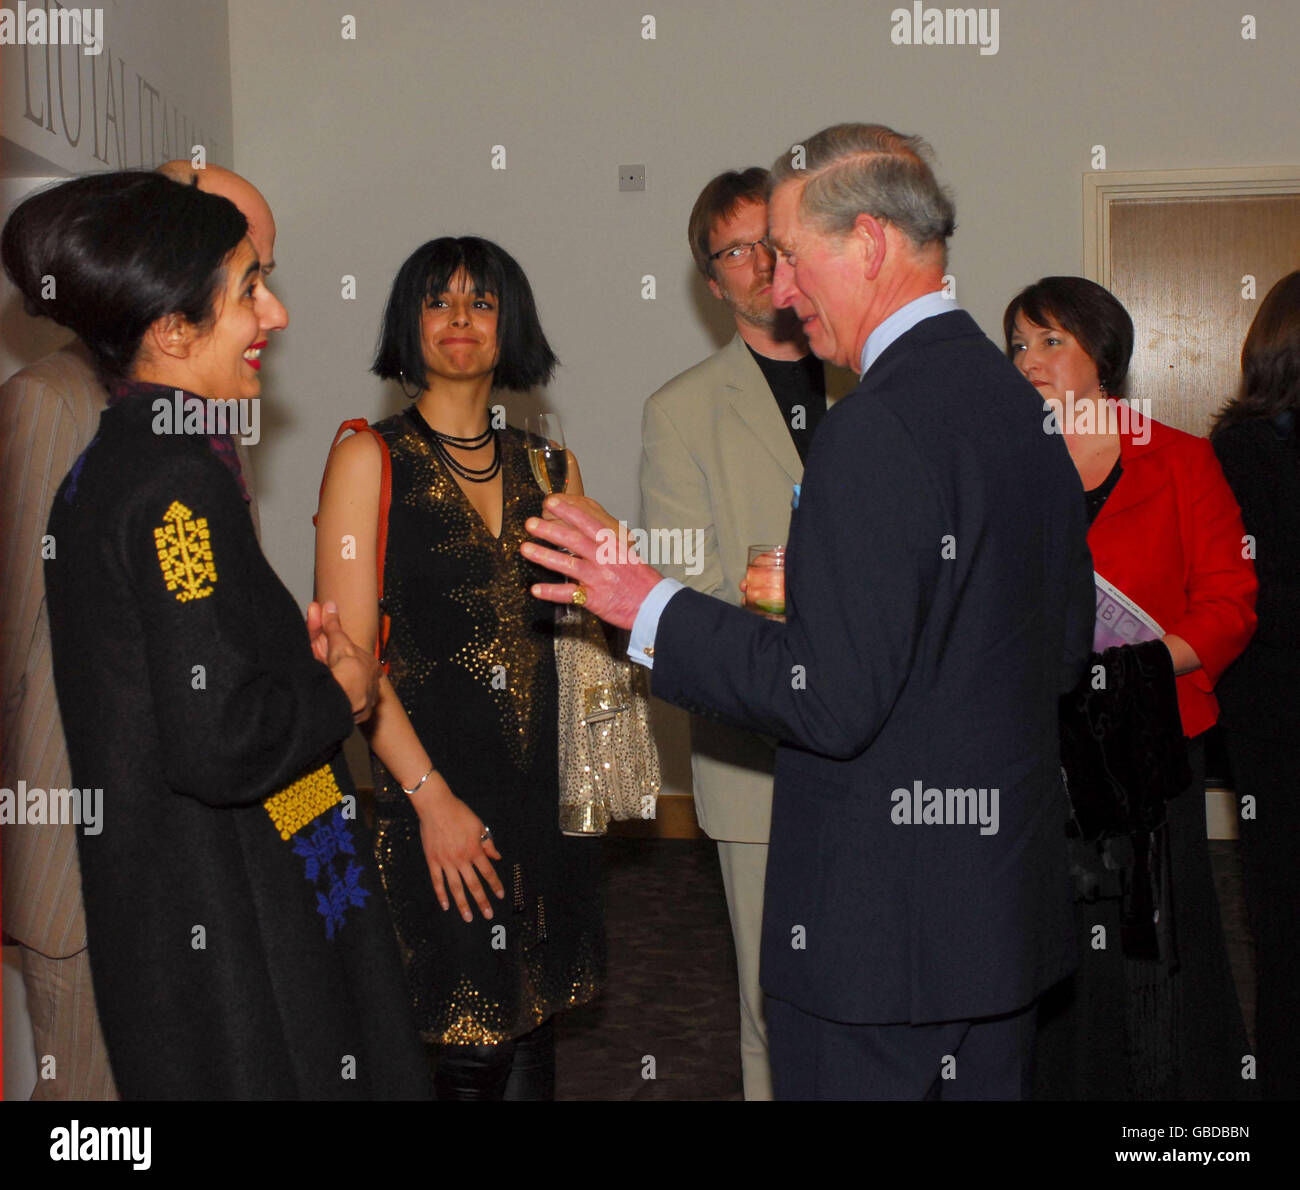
(486,835)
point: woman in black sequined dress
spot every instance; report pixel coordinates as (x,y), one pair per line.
(464,736)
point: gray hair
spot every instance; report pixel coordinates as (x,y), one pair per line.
(852,169)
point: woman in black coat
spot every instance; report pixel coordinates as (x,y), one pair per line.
(1255,437)
(239,942)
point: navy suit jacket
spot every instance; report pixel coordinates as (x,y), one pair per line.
(939,600)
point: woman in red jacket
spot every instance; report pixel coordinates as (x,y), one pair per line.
(1167,532)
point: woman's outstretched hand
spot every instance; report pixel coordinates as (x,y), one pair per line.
(455,846)
(355,670)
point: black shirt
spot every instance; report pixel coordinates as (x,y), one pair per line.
(1094,498)
(799,386)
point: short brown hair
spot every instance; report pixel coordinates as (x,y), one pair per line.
(719,200)
(1092,314)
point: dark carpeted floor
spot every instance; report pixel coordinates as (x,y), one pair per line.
(670,1008)
(668,1024)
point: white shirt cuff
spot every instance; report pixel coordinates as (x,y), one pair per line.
(641,645)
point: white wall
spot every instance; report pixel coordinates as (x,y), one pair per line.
(159,85)
(367,147)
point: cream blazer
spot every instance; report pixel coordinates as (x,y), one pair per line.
(716,455)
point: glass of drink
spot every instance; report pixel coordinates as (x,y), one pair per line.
(546,454)
(765,581)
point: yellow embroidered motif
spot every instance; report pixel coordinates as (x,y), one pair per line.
(185,553)
(307,798)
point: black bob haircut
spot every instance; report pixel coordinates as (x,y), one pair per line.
(108,254)
(525,360)
(1093,315)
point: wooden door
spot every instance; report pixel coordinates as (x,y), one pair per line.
(1192,272)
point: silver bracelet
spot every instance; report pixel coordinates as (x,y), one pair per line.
(416,787)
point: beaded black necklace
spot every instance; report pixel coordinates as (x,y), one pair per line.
(439,441)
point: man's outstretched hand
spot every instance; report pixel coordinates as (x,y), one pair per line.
(615,589)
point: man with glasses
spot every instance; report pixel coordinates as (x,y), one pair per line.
(723,446)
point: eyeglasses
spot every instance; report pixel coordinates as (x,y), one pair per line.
(738,254)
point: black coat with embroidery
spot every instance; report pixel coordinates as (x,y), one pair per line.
(239,940)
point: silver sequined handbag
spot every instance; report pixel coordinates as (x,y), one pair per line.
(609,764)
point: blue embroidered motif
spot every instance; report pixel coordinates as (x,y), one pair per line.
(332,837)
(333,905)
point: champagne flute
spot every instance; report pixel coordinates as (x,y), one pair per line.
(547,455)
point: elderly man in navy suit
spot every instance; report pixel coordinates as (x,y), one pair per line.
(939,601)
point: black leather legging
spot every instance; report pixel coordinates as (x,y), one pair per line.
(522,1069)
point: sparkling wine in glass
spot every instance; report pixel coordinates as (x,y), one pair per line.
(546,453)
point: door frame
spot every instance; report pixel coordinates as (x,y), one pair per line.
(1103,187)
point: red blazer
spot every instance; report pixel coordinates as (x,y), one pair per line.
(1170,537)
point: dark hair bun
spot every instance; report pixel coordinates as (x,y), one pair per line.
(108,254)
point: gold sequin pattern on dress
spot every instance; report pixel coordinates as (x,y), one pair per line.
(469,1016)
(503,652)
(472,1019)
(184,547)
(306,799)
